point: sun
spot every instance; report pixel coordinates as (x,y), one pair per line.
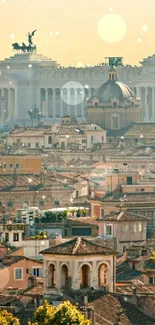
(112,28)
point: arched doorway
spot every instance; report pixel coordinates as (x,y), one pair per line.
(102,276)
(51,276)
(85,278)
(64,275)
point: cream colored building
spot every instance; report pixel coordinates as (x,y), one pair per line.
(78,264)
(58,136)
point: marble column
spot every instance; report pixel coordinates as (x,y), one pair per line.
(68,101)
(146,116)
(9,104)
(54,103)
(46,103)
(16,104)
(153,105)
(61,105)
(3,105)
(137,92)
(75,101)
(38,98)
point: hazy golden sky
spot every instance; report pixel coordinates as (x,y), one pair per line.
(76,25)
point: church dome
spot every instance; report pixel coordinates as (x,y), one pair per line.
(113,89)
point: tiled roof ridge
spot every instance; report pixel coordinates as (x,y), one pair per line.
(77,244)
(120,215)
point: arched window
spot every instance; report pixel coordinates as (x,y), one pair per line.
(49,139)
(85,276)
(17,166)
(102,275)
(51,276)
(11,165)
(64,276)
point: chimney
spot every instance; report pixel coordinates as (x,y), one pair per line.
(85,300)
(88,313)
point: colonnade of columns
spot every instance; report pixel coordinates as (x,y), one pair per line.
(7,104)
(147,102)
(56,102)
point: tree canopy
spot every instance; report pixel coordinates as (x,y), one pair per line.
(7,318)
(64,314)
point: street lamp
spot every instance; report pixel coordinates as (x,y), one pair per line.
(122,138)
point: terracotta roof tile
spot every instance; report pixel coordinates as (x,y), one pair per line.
(78,246)
(147,129)
(123,216)
(108,307)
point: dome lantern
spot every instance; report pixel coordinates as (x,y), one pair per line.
(112,73)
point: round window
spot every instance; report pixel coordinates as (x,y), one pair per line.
(11,165)
(17,166)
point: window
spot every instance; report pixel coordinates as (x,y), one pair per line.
(114,122)
(144,252)
(152,280)
(114,104)
(142,189)
(102,212)
(150,216)
(10,204)
(11,165)
(124,227)
(37,144)
(18,275)
(15,236)
(129,180)
(96,104)
(36,272)
(41,203)
(142,212)
(124,249)
(4,165)
(29,145)
(102,138)
(92,138)
(108,229)
(6,236)
(17,166)
(137,227)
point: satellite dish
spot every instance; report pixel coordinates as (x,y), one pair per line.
(25,205)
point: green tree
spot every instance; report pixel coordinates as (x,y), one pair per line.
(7,318)
(64,314)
